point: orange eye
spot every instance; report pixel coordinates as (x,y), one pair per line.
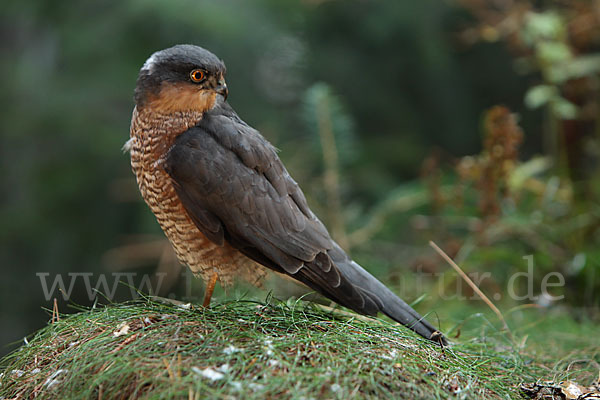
(197,75)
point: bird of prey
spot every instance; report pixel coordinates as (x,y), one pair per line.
(223,197)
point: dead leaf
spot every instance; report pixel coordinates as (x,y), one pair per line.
(122,329)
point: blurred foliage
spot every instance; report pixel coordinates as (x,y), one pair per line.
(327,120)
(356,93)
(544,207)
(556,43)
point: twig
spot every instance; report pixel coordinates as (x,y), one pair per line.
(55,313)
(171,374)
(473,286)
(123,344)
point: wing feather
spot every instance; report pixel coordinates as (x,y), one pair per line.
(235,188)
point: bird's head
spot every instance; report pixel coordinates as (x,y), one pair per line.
(181,78)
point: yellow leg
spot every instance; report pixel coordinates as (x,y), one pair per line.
(210,288)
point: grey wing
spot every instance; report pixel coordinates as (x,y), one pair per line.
(235,188)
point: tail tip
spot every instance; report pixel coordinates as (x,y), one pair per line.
(437,337)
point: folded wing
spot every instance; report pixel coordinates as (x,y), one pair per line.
(234,187)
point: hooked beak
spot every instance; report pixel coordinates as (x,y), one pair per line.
(222,89)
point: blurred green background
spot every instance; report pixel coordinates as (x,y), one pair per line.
(395,93)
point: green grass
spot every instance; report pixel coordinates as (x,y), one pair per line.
(256,350)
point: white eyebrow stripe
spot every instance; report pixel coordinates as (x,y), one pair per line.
(150,62)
